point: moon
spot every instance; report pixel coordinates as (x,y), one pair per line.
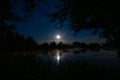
(58,36)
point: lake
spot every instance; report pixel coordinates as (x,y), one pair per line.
(60,65)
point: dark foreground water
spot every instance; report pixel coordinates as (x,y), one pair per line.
(60,65)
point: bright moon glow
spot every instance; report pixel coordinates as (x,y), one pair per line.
(58,36)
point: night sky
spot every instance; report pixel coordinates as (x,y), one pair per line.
(42,30)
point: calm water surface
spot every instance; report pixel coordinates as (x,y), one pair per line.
(101,58)
(60,65)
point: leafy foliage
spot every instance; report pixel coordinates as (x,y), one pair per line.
(12,11)
(87,14)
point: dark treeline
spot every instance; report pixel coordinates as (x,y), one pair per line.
(97,15)
(82,45)
(12,12)
(11,41)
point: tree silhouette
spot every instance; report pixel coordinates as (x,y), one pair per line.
(76,44)
(53,45)
(44,46)
(12,11)
(13,41)
(90,14)
(60,45)
(30,43)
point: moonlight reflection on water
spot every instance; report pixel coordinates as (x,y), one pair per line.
(58,56)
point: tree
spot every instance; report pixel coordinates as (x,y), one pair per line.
(76,44)
(30,43)
(12,11)
(53,45)
(90,14)
(44,46)
(61,45)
